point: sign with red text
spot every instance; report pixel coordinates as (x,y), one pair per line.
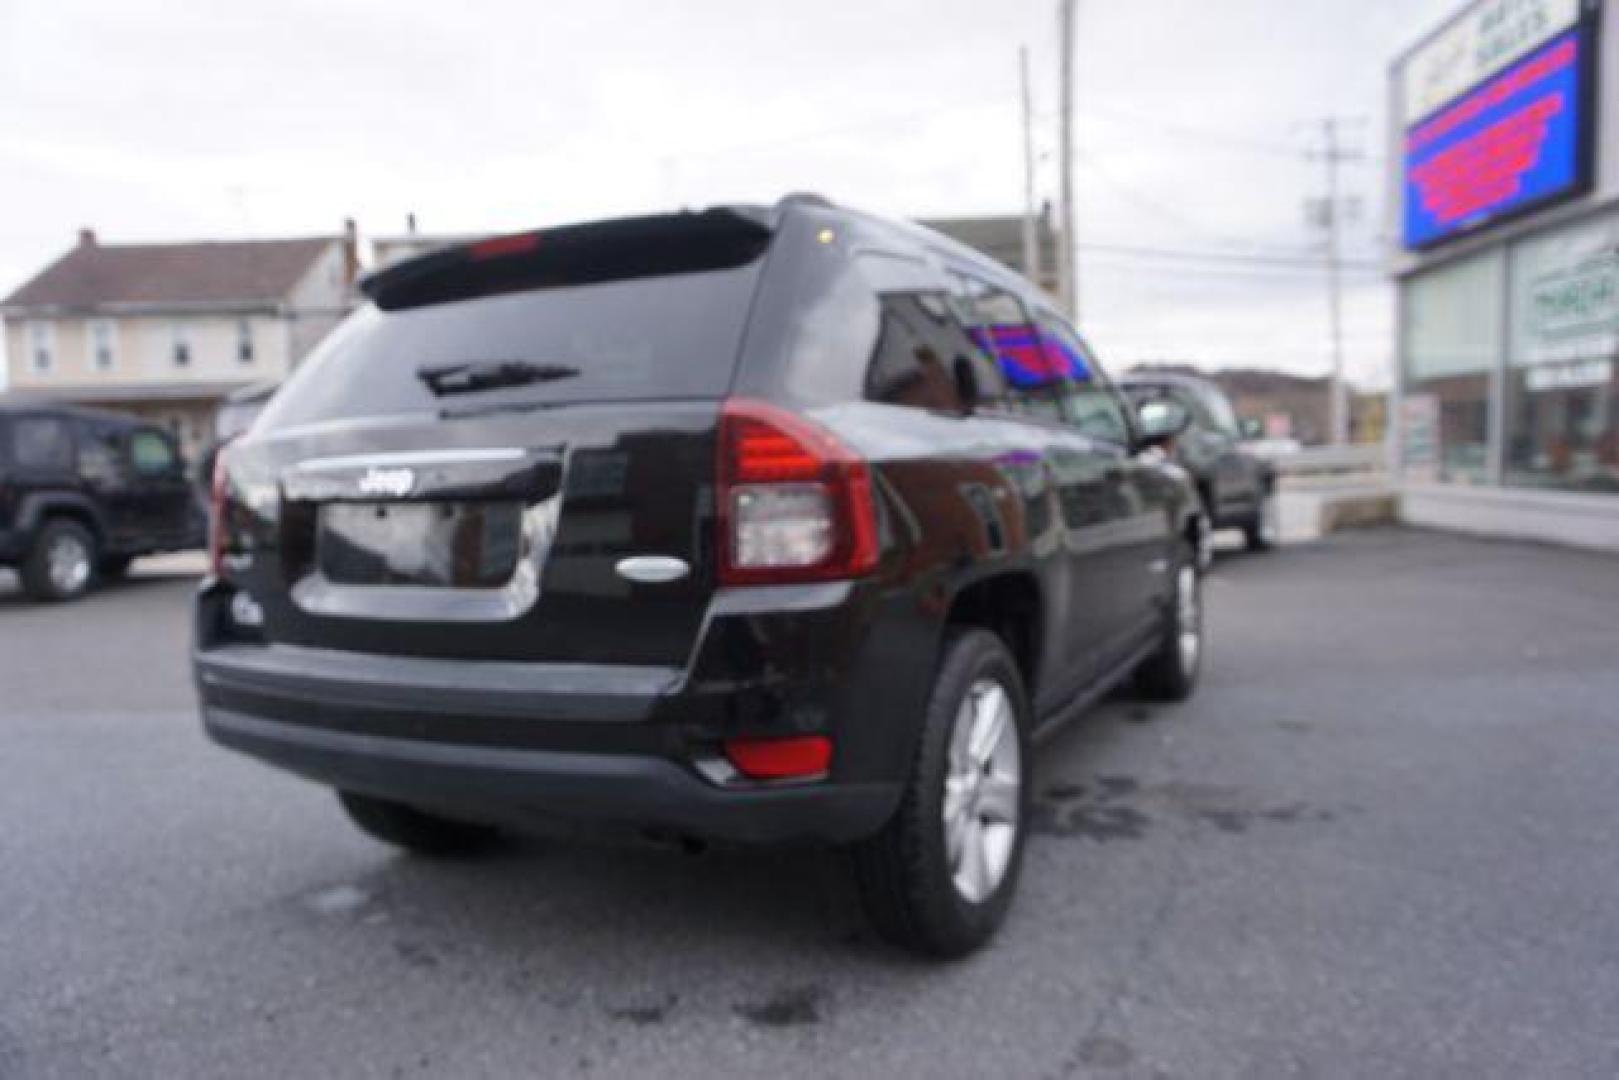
(1518,140)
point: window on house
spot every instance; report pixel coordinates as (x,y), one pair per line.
(244,341)
(41,346)
(182,345)
(101,345)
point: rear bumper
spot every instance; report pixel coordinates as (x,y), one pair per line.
(13,546)
(505,785)
(636,745)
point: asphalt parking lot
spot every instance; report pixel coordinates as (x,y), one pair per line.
(1379,842)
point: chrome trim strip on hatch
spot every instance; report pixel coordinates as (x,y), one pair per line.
(412,457)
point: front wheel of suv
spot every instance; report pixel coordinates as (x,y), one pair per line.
(62,564)
(1263,530)
(1170,673)
(940,876)
(412,829)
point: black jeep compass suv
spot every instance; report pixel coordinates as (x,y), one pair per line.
(764,525)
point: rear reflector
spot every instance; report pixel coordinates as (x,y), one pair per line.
(798,756)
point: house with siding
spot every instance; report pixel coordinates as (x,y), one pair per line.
(167,331)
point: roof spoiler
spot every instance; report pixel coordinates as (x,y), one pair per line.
(591,253)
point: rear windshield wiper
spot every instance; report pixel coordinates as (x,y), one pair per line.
(474,375)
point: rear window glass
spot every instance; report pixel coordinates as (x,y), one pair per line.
(40,442)
(674,336)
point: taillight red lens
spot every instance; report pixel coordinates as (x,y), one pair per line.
(216,515)
(795,757)
(795,504)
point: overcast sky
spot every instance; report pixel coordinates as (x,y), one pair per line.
(157,120)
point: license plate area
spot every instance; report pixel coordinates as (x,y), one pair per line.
(439,545)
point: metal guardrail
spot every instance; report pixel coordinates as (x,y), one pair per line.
(1312,461)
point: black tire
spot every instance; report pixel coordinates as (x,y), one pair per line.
(113,567)
(904,873)
(1170,673)
(415,830)
(1259,531)
(43,573)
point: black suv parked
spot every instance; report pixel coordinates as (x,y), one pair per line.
(82,493)
(1238,488)
(765,525)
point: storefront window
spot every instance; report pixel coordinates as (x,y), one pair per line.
(1562,420)
(1452,347)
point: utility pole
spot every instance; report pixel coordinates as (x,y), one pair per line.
(1332,213)
(1031,238)
(1067,272)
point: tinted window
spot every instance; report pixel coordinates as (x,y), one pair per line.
(999,324)
(922,353)
(1090,401)
(41,442)
(151,453)
(1222,417)
(647,338)
(100,454)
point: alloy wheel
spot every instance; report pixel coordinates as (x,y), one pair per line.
(1188,617)
(68,564)
(1270,526)
(982,791)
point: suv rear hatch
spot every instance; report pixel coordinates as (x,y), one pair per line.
(463,468)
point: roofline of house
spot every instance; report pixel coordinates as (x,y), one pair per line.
(122,392)
(245,306)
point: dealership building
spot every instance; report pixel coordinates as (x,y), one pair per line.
(1504,170)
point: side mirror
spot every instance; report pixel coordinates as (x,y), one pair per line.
(1251,428)
(1161,420)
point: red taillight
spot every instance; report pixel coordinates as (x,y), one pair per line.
(216,514)
(795,504)
(795,757)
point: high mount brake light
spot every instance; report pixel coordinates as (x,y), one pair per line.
(795,504)
(500,246)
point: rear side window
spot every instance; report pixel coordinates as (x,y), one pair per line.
(1001,326)
(923,353)
(41,442)
(100,453)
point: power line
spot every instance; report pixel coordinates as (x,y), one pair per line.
(1212,136)
(1152,206)
(1302,260)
